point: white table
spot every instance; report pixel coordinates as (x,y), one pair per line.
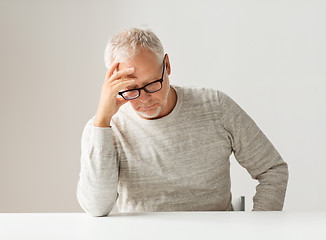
(168,225)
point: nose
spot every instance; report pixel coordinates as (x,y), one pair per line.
(144,97)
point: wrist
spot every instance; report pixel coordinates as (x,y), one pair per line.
(102,122)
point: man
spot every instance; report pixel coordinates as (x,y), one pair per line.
(156,147)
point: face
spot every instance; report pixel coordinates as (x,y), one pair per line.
(148,69)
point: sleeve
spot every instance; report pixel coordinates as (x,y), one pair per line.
(256,153)
(98,177)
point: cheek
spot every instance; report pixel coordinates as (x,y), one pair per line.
(160,97)
(134,103)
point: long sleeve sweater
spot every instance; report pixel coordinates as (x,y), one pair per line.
(179,162)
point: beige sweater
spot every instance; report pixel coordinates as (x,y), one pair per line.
(179,162)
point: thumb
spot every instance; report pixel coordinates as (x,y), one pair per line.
(121,101)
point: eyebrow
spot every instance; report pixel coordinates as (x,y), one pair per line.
(146,82)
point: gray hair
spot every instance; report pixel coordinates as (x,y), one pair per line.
(125,45)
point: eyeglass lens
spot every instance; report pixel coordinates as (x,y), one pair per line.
(150,88)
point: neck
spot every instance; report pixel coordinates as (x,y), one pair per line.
(172,100)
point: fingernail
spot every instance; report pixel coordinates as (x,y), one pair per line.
(131,69)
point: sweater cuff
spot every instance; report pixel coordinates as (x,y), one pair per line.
(102,138)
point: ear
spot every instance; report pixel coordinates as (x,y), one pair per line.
(167,64)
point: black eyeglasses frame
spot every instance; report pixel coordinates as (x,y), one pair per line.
(144,87)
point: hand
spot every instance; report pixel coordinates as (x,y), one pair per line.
(109,104)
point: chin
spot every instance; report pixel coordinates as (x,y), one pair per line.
(151,114)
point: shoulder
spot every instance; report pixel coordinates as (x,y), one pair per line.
(201,94)
(193,90)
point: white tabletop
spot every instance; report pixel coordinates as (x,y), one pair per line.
(168,225)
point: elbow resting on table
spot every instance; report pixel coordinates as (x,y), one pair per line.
(94,206)
(95,210)
(97,213)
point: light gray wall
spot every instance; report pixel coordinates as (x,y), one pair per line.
(269,56)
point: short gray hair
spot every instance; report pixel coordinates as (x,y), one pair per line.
(125,45)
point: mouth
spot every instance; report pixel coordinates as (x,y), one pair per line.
(147,108)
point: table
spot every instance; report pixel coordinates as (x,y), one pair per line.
(164,225)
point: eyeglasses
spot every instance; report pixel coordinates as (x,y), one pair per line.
(151,87)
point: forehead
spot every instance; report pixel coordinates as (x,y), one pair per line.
(144,60)
(147,67)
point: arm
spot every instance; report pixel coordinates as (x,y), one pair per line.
(98,178)
(256,153)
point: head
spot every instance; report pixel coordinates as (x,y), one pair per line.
(142,50)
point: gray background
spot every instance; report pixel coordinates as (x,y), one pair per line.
(269,56)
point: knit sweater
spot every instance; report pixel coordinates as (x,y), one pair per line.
(179,162)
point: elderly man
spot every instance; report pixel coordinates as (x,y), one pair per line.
(152,146)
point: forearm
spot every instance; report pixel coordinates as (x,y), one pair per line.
(265,164)
(270,192)
(98,178)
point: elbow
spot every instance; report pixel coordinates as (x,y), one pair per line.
(96,209)
(278,173)
(94,206)
(283,172)
(97,212)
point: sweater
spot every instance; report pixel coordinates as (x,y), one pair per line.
(179,162)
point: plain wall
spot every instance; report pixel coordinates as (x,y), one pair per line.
(269,56)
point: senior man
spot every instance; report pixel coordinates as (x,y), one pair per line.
(152,146)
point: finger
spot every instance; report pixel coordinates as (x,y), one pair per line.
(121,101)
(121,73)
(122,85)
(117,81)
(111,69)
